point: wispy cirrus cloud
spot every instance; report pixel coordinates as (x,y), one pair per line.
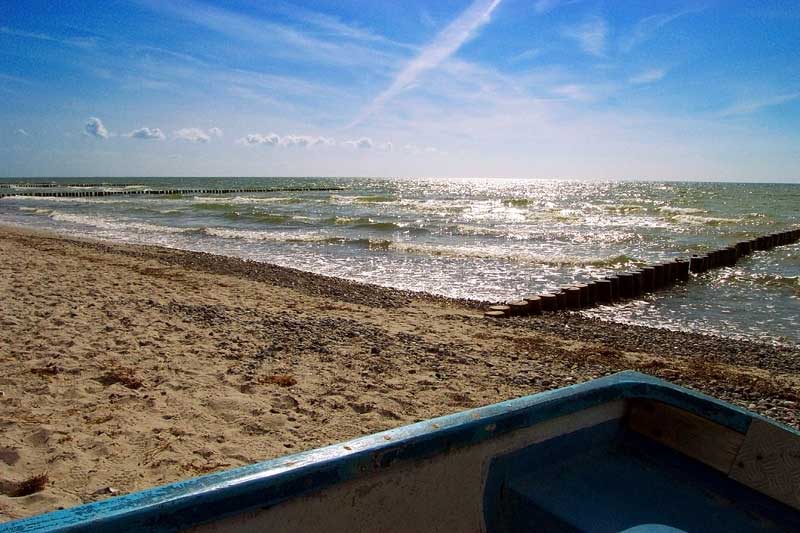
(591,35)
(449,40)
(335,27)
(282,40)
(648,76)
(648,26)
(747,107)
(77,41)
(543,6)
(526,55)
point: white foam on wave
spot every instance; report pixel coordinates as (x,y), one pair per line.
(501,253)
(272,236)
(681,210)
(705,221)
(109,224)
(241,200)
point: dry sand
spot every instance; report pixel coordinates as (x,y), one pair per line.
(124,367)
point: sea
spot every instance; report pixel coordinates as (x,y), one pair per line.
(484,239)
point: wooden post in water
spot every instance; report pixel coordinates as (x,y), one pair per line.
(696,264)
(573,297)
(534,304)
(683,269)
(584,292)
(625,284)
(637,283)
(614,280)
(648,278)
(518,307)
(561,297)
(592,292)
(604,291)
(549,301)
(660,277)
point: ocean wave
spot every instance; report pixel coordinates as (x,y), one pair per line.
(295,237)
(624,209)
(774,280)
(499,253)
(705,221)
(109,224)
(366,199)
(272,236)
(519,202)
(681,210)
(207,201)
(265,218)
(472,229)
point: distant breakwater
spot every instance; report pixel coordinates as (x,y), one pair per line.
(162,192)
(634,284)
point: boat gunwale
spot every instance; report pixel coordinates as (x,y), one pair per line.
(265,484)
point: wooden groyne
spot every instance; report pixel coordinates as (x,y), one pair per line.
(51,184)
(154,192)
(624,286)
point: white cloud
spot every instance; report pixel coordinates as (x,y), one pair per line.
(443,46)
(302,141)
(573,91)
(271,139)
(287,141)
(80,42)
(646,27)
(526,55)
(747,107)
(22,132)
(364,143)
(543,6)
(94,128)
(147,134)
(590,35)
(197,135)
(192,134)
(285,40)
(648,76)
(324,141)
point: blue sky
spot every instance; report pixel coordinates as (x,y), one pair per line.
(513,88)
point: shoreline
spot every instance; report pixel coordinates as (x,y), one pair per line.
(127,366)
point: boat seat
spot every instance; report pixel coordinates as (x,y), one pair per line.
(610,479)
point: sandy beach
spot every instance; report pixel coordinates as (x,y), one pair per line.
(123,367)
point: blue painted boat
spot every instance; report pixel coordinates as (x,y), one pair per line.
(623,453)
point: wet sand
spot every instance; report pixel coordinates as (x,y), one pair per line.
(123,367)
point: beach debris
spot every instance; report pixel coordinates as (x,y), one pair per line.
(51,369)
(284,380)
(9,456)
(123,376)
(26,487)
(106,490)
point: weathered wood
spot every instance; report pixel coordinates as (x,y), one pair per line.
(697,437)
(769,462)
(549,301)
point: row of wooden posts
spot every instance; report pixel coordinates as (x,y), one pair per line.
(636,283)
(51,185)
(81,194)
